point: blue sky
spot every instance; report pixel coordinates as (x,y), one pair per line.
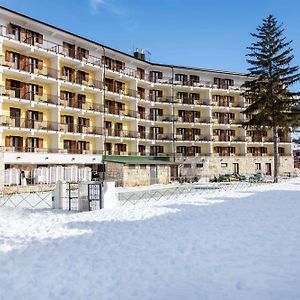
(203,33)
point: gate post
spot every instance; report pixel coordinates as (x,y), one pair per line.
(59,194)
(109,195)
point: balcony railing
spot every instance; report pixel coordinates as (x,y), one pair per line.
(49,150)
(31,68)
(227,121)
(87,105)
(56,48)
(191,137)
(120,90)
(20,94)
(163,118)
(82,81)
(52,47)
(17,122)
(190,119)
(77,128)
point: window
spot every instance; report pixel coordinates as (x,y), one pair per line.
(69,49)
(224,165)
(199,165)
(131,166)
(14,141)
(82,53)
(140,73)
(155,75)
(257,166)
(194,79)
(155,95)
(143,166)
(68,73)
(182,78)
(187,166)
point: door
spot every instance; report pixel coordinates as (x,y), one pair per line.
(15,115)
(174,172)
(268,169)
(236,168)
(153,174)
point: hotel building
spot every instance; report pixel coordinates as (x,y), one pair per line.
(66,100)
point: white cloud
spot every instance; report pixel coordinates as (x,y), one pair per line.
(95,4)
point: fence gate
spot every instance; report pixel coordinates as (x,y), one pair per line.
(95,196)
(72,194)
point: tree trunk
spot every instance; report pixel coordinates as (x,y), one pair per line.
(276,154)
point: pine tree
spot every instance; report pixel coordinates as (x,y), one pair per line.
(268,93)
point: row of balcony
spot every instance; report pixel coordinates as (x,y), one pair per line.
(128,153)
(6,121)
(87,105)
(85,57)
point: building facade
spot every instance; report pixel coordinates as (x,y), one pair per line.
(66,100)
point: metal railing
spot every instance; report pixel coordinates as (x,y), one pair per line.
(7,121)
(185,187)
(85,57)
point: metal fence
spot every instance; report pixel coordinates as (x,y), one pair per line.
(39,196)
(178,192)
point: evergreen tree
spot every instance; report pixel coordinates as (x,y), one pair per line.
(268,93)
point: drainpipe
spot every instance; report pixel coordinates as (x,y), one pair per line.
(173,119)
(103,81)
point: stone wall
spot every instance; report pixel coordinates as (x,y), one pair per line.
(135,174)
(214,166)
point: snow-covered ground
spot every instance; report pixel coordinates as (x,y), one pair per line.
(232,245)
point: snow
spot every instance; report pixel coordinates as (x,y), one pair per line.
(229,245)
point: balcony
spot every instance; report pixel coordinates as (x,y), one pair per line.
(7,121)
(81,105)
(48,150)
(53,47)
(20,94)
(163,118)
(120,90)
(162,99)
(160,136)
(93,83)
(121,133)
(32,69)
(163,80)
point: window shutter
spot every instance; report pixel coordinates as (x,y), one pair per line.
(73,99)
(87,123)
(40,141)
(10,28)
(62,119)
(160,75)
(26,64)
(7,55)
(40,64)
(7,84)
(40,90)
(40,39)
(86,77)
(23,90)
(7,141)
(160,93)
(87,146)
(26,91)
(62,95)
(123,147)
(161,130)
(22,62)
(27,143)
(40,116)
(73,145)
